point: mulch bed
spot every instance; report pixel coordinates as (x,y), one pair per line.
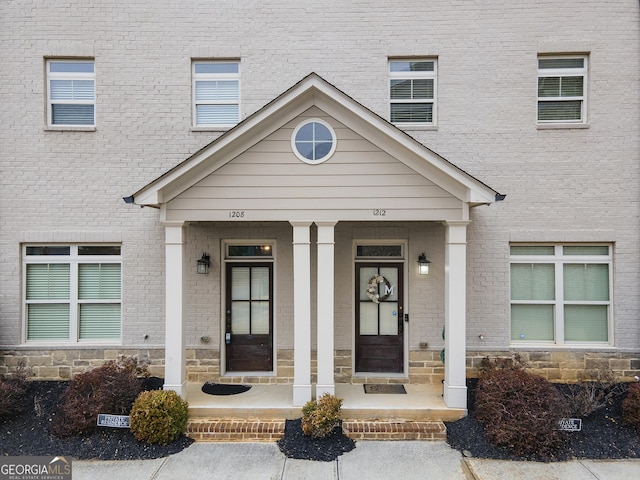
(28,434)
(295,444)
(603,436)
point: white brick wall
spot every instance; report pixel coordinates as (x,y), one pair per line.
(563,183)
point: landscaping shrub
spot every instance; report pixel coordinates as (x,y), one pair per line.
(631,407)
(159,416)
(321,416)
(520,410)
(13,391)
(595,390)
(111,388)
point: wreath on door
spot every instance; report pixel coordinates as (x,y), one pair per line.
(372,288)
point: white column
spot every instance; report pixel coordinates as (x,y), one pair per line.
(301,313)
(455,277)
(175,363)
(326,383)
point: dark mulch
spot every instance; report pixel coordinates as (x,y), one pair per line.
(296,444)
(603,436)
(28,434)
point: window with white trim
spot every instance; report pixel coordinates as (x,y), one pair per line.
(72,293)
(216,93)
(412,91)
(560,294)
(562,89)
(71,99)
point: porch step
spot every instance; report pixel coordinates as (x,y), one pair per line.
(235,430)
(394,430)
(256,430)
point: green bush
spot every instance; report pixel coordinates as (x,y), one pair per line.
(111,388)
(13,391)
(520,410)
(320,417)
(631,407)
(159,416)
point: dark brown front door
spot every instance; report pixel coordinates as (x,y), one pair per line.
(379,318)
(249,317)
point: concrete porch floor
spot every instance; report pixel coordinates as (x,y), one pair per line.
(274,402)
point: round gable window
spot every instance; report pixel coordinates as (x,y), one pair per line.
(313,141)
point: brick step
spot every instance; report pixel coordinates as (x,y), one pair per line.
(256,430)
(394,430)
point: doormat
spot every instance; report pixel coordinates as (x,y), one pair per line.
(224,388)
(384,388)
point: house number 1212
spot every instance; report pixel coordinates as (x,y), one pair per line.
(379,213)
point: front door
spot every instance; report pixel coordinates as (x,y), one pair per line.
(379,318)
(249,317)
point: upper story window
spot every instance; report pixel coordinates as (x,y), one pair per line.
(216,93)
(412,91)
(560,294)
(562,89)
(71,98)
(72,293)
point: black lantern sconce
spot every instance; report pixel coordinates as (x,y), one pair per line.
(203,264)
(423,265)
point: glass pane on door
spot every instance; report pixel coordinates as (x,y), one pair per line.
(389,318)
(260,318)
(368,319)
(240,318)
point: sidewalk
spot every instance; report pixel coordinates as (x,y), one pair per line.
(370,460)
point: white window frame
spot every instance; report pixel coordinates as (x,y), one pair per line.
(52,76)
(432,75)
(198,77)
(558,259)
(563,72)
(73,260)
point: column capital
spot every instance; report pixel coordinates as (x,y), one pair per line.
(456,231)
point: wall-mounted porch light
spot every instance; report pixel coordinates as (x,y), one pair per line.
(423,265)
(203,264)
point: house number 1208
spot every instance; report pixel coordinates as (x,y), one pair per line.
(236,214)
(379,213)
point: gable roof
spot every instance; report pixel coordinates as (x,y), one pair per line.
(313,90)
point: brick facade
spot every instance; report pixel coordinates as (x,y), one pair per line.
(562,184)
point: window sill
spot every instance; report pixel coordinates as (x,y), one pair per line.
(70,128)
(248,374)
(211,129)
(566,346)
(421,128)
(44,345)
(560,126)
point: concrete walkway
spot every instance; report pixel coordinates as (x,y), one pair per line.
(404,460)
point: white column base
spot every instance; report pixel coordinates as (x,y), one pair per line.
(322,389)
(455,396)
(301,395)
(180,389)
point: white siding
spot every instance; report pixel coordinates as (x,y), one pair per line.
(269,182)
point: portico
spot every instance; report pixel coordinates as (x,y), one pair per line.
(353,169)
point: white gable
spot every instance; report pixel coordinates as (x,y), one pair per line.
(377,171)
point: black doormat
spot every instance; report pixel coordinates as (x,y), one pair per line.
(384,388)
(224,388)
